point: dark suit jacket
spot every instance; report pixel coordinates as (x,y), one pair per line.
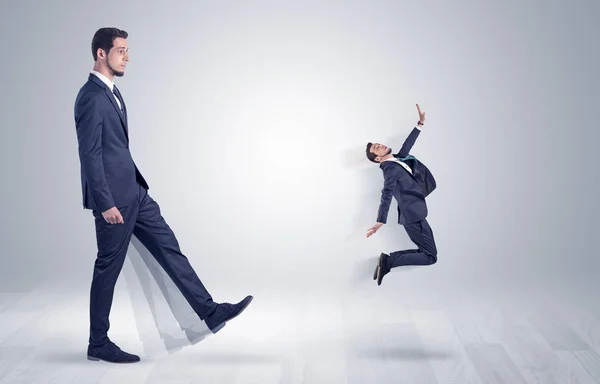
(408,190)
(109,176)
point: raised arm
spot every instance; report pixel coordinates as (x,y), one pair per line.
(412,137)
(408,143)
(88,122)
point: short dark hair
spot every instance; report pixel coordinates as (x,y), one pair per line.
(370,155)
(104,38)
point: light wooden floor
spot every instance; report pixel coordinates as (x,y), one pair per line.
(396,333)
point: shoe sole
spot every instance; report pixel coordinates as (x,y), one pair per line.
(220,326)
(379,269)
(91,358)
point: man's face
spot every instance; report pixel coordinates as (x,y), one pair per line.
(380,150)
(118,57)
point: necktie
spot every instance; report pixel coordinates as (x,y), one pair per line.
(406,158)
(118,95)
(409,157)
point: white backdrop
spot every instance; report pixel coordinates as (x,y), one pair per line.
(249,121)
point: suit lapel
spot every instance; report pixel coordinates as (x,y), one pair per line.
(111,98)
(122,115)
(404,170)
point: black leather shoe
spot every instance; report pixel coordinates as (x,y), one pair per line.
(111,353)
(226,312)
(382,267)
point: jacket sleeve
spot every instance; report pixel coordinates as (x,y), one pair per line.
(408,143)
(88,122)
(387,193)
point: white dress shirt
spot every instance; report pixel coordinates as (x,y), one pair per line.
(403,164)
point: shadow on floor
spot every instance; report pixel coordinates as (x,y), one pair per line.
(402,354)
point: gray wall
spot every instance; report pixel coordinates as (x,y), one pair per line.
(249,121)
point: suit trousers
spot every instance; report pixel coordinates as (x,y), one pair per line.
(143,220)
(422,235)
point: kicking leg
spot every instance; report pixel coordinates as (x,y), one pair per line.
(156,235)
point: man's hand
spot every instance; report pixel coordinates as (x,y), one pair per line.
(421,115)
(113,216)
(374,229)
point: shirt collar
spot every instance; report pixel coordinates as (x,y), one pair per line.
(104,79)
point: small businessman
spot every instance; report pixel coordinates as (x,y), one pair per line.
(409,181)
